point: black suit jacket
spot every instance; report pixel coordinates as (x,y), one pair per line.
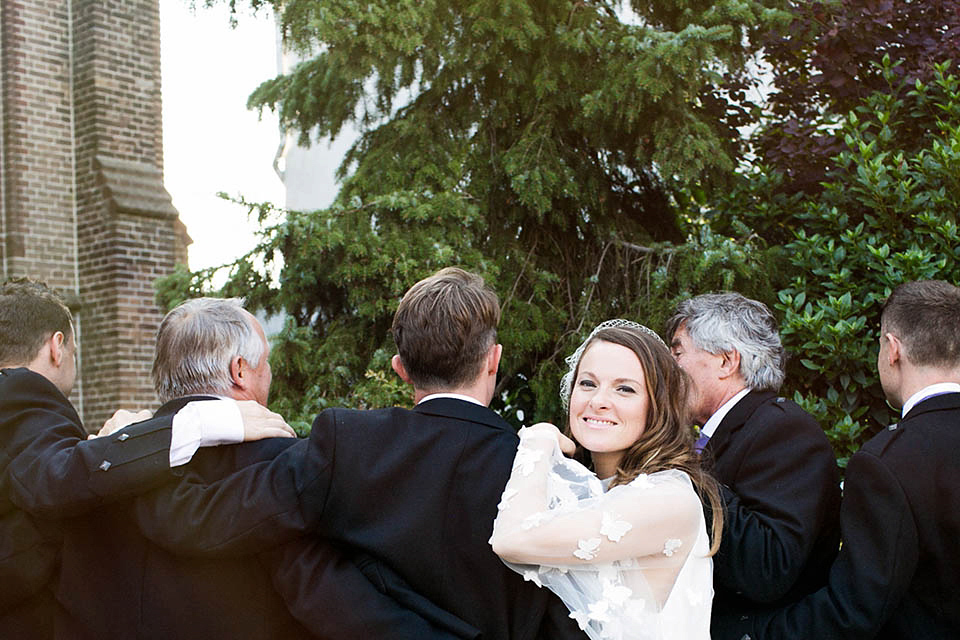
(898,572)
(48,469)
(782,492)
(415,489)
(156,594)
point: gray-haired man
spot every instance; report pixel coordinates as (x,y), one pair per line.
(49,470)
(210,348)
(778,471)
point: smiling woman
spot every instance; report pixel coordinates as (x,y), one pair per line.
(627,551)
(608,404)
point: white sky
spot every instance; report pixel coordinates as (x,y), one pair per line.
(211,142)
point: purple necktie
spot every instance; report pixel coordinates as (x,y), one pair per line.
(701,443)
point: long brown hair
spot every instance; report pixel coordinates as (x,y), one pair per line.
(667,441)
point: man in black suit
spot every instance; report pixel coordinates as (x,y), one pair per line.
(777,470)
(209,348)
(898,572)
(49,469)
(416,489)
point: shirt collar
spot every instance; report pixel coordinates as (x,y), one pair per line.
(933,390)
(721,413)
(454,396)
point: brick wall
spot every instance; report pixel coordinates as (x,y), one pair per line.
(38,172)
(84,206)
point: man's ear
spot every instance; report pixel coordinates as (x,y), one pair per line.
(894,348)
(401,371)
(57,344)
(729,363)
(237,371)
(493,358)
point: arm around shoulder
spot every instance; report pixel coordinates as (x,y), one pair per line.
(54,470)
(873,569)
(784,496)
(250,510)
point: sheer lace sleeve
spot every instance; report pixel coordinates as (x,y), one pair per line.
(554,512)
(628,562)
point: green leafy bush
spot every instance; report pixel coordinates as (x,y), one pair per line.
(885,217)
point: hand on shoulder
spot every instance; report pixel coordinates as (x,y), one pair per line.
(259,422)
(119,420)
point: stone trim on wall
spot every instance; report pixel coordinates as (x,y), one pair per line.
(135,188)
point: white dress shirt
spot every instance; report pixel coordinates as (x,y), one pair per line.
(204,423)
(455,396)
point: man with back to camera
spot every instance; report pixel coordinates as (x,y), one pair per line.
(897,575)
(209,348)
(777,470)
(416,489)
(49,469)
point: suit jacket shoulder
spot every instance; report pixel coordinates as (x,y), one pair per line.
(898,573)
(53,470)
(782,490)
(418,489)
(30,405)
(929,428)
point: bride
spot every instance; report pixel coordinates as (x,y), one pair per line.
(624,546)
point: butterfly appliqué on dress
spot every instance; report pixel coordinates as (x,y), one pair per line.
(671,545)
(587,549)
(613,528)
(505,499)
(616,593)
(532,575)
(526,459)
(533,520)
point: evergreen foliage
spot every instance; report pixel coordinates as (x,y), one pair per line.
(543,143)
(581,157)
(887,215)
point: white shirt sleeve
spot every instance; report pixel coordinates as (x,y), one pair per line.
(204,423)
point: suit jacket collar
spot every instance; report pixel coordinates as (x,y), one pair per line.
(735,419)
(172,406)
(463,410)
(37,379)
(30,382)
(942,402)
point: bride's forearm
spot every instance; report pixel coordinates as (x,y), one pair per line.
(524,497)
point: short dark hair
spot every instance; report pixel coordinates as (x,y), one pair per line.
(925,316)
(443,328)
(30,312)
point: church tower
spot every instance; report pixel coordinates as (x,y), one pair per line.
(82,201)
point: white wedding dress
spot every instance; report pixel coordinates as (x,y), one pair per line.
(630,563)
